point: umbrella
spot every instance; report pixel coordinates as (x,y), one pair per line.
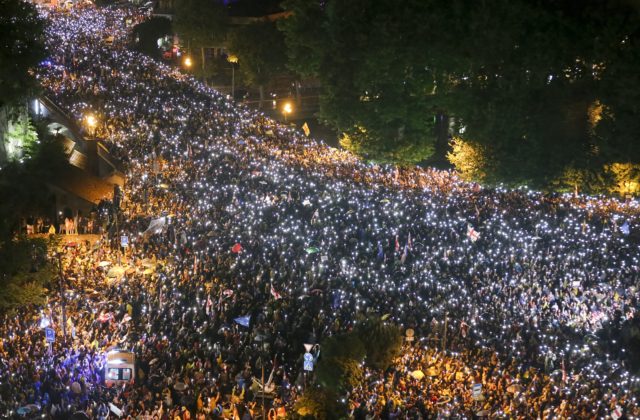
(482,413)
(432,371)
(312,250)
(104,263)
(180,386)
(417,374)
(148,271)
(154,361)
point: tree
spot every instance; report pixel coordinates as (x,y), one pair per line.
(468,159)
(339,368)
(319,404)
(304,36)
(383,342)
(540,87)
(21,49)
(24,271)
(148,33)
(260,51)
(375,88)
(20,137)
(24,184)
(201,24)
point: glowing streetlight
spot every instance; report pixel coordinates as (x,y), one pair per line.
(287,109)
(187,62)
(91,121)
(233,59)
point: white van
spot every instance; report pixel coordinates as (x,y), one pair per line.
(120,368)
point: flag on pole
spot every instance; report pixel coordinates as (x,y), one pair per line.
(155,226)
(380,251)
(404,254)
(472,233)
(275,294)
(208,305)
(243,320)
(625,228)
(305,128)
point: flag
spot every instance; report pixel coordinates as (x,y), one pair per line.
(472,233)
(105,317)
(275,294)
(305,128)
(380,251)
(236,248)
(403,258)
(335,304)
(155,226)
(312,250)
(625,228)
(243,320)
(208,305)
(397,244)
(45,322)
(409,241)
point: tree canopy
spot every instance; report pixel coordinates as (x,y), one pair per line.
(260,50)
(148,33)
(21,49)
(540,87)
(202,23)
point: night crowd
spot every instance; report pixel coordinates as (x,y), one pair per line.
(247,239)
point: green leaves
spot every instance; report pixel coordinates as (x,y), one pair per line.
(203,23)
(518,79)
(21,48)
(260,50)
(24,271)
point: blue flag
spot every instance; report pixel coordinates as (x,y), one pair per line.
(625,228)
(243,320)
(380,251)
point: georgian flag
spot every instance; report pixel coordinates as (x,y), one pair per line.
(209,304)
(274,293)
(472,233)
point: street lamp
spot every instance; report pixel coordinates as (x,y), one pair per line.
(91,121)
(233,59)
(187,62)
(287,109)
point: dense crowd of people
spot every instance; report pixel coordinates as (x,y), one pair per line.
(248,239)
